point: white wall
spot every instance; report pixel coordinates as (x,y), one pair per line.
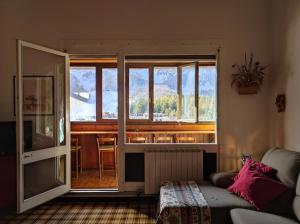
(285,40)
(237,25)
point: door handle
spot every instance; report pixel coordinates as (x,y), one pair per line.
(27,156)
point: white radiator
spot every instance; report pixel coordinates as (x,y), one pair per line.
(171,165)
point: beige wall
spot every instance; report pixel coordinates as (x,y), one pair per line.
(285,39)
(236,25)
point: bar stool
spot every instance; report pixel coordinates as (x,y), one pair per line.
(76,148)
(137,139)
(163,139)
(185,139)
(106,145)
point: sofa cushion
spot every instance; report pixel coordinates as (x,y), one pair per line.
(296,203)
(222,179)
(282,205)
(221,202)
(298,186)
(262,168)
(296,207)
(287,164)
(255,187)
(245,216)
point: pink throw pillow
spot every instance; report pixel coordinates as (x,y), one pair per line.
(255,187)
(266,170)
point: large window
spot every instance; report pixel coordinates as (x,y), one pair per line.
(83,93)
(183,92)
(138,93)
(94,93)
(156,92)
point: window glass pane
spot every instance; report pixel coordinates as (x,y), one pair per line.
(165,94)
(188,110)
(83,93)
(207,93)
(138,93)
(109,93)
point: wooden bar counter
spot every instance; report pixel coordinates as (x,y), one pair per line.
(87,134)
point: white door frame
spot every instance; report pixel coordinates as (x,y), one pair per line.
(33,156)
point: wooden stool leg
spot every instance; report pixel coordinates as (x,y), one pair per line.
(102,162)
(116,169)
(99,160)
(76,152)
(80,161)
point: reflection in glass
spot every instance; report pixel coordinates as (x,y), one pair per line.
(109,93)
(44,106)
(207,93)
(138,93)
(165,94)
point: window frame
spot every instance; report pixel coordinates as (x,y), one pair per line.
(99,67)
(150,66)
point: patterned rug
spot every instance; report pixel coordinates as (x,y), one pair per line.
(88,212)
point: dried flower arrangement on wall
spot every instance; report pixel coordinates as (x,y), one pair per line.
(249,76)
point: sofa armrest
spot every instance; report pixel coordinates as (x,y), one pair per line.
(222,179)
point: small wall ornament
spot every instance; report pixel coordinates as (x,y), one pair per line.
(249,76)
(280,102)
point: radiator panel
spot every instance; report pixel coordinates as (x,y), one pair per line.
(171,165)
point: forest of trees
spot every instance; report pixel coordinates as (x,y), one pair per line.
(165,107)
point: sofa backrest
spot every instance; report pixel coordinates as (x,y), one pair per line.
(296,203)
(287,164)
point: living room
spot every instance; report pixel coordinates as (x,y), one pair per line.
(142,32)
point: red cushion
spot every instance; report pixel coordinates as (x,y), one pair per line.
(255,187)
(266,170)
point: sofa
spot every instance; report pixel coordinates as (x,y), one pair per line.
(228,208)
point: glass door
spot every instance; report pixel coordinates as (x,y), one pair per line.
(43,141)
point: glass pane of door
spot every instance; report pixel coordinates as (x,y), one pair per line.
(43,125)
(34,175)
(43,98)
